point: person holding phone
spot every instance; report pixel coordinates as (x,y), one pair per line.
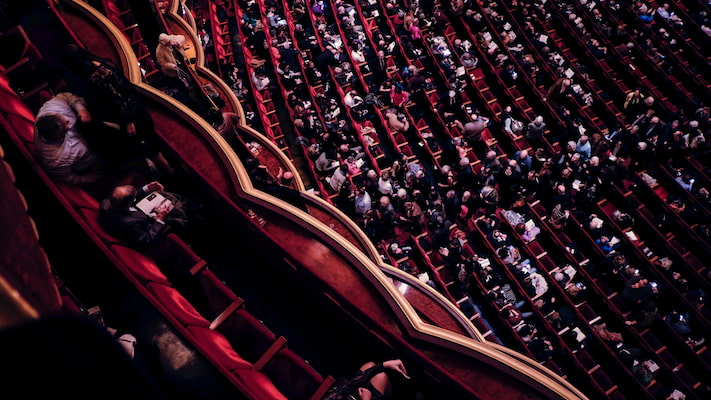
(371,382)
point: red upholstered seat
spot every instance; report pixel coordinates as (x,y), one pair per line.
(258,385)
(248,335)
(218,349)
(218,294)
(177,305)
(23,127)
(79,197)
(142,267)
(172,252)
(92,219)
(292,375)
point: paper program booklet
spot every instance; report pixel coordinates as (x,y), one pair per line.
(154,200)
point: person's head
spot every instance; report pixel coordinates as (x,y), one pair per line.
(287,178)
(52,127)
(520,228)
(215,117)
(164,39)
(122,197)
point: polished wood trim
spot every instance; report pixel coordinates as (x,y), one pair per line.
(121,49)
(224,172)
(277,345)
(234,306)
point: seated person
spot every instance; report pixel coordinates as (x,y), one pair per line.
(370,382)
(61,148)
(121,217)
(397,122)
(113,100)
(528,232)
(607,244)
(680,322)
(541,348)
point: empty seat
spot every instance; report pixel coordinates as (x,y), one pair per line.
(292,375)
(176,305)
(248,335)
(142,267)
(603,381)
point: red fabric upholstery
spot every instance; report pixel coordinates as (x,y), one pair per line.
(218,349)
(292,375)
(178,306)
(142,267)
(259,386)
(248,335)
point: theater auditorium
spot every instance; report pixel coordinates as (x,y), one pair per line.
(261,199)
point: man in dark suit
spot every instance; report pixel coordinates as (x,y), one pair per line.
(120,216)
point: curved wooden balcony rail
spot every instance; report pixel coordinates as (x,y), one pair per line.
(348,272)
(84,19)
(180,21)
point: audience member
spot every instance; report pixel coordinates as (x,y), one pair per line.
(113,100)
(122,215)
(60,146)
(372,381)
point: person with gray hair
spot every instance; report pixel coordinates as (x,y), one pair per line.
(534,131)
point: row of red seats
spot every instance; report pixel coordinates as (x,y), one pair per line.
(119,12)
(590,118)
(602,112)
(692,28)
(602,303)
(522,106)
(633,64)
(145,271)
(693,84)
(609,287)
(262,98)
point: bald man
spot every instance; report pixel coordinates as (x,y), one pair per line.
(120,216)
